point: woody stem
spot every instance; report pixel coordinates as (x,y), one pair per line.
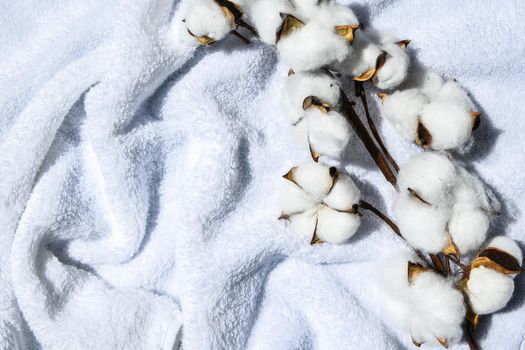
(360,92)
(350,114)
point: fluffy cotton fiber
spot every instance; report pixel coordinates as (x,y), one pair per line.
(312,46)
(439,199)
(302,85)
(488,290)
(395,69)
(320,203)
(442,109)
(402,110)
(363,57)
(328,133)
(205,18)
(429,308)
(266,17)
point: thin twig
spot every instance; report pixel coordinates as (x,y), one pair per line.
(248,26)
(438,264)
(350,114)
(472,344)
(367,206)
(240,36)
(360,92)
(457,262)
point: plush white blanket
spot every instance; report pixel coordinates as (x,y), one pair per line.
(139,180)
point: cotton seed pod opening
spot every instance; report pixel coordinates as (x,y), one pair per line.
(320,203)
(502,255)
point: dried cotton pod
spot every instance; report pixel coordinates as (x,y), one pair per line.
(320,203)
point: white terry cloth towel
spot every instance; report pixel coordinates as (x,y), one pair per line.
(140,180)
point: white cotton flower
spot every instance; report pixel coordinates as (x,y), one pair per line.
(422,302)
(402,110)
(299,86)
(312,46)
(206,21)
(435,114)
(440,205)
(320,203)
(328,133)
(395,69)
(362,62)
(267,19)
(488,290)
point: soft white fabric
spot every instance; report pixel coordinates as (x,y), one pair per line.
(140,180)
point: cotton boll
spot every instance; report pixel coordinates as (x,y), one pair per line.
(508,245)
(314,178)
(470,192)
(343,195)
(363,58)
(266,17)
(302,85)
(423,226)
(428,308)
(431,174)
(312,47)
(332,15)
(430,84)
(206,18)
(328,133)
(294,199)
(453,93)
(335,226)
(304,224)
(440,307)
(449,125)
(468,229)
(488,290)
(395,69)
(402,110)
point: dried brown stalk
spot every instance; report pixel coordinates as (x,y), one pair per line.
(361,93)
(350,114)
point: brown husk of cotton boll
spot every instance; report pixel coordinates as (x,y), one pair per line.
(313,101)
(290,23)
(203,39)
(476,120)
(369,74)
(498,260)
(347,31)
(423,136)
(413,270)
